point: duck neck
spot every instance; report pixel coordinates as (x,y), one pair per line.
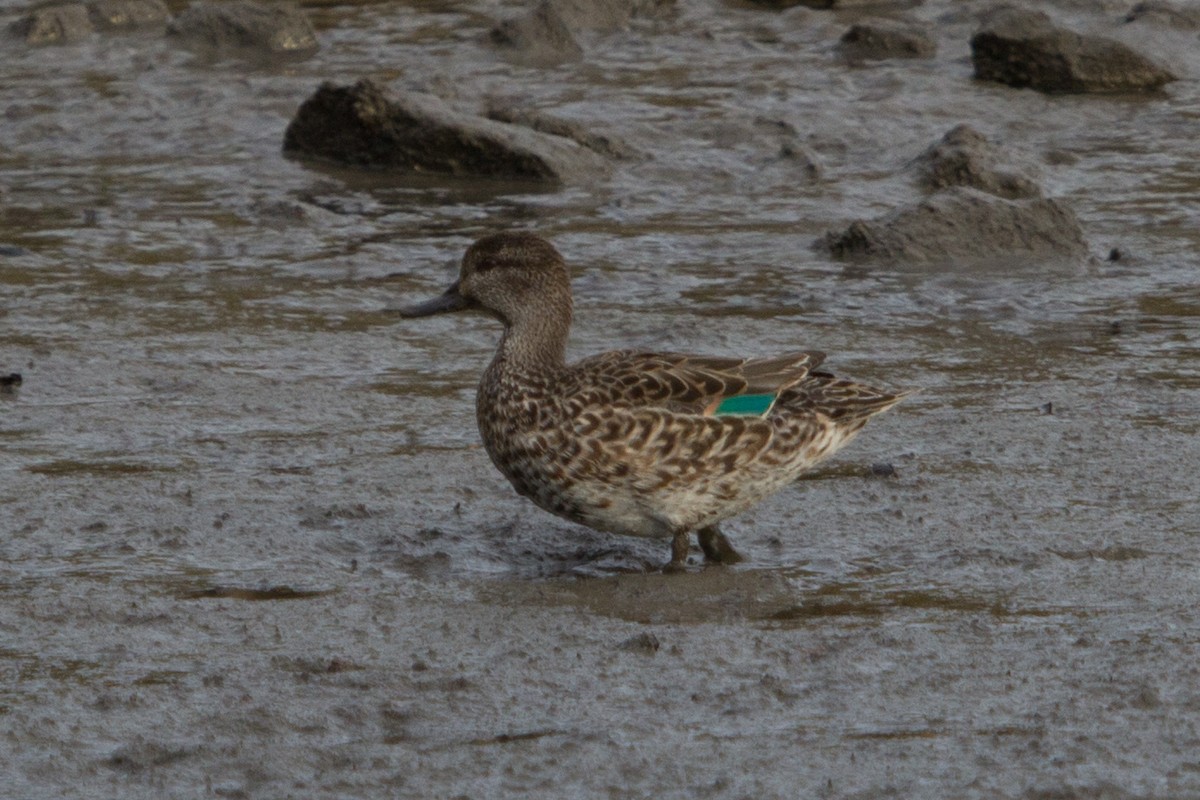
(535,342)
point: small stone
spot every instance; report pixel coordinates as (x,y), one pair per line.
(1180,18)
(546,35)
(54,24)
(881,39)
(127,15)
(539,38)
(1146,698)
(645,643)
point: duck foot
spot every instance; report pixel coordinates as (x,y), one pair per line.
(679,553)
(717,549)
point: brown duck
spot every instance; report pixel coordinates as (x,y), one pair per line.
(639,443)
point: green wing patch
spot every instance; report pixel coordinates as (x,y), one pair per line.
(746,405)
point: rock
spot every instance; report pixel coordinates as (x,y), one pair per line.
(880,39)
(883,469)
(796,154)
(539,38)
(821,4)
(608,145)
(790,148)
(1165,14)
(126,15)
(607,15)
(244,27)
(57,24)
(284,213)
(144,755)
(1024,48)
(360,126)
(783,4)
(963,224)
(546,34)
(964,157)
(645,643)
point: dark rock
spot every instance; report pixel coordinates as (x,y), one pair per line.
(12,250)
(1165,14)
(144,755)
(963,224)
(964,157)
(645,643)
(540,37)
(820,4)
(53,24)
(1059,157)
(1025,49)
(879,39)
(126,15)
(244,27)
(360,126)
(608,145)
(882,469)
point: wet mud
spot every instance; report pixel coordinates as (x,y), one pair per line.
(250,546)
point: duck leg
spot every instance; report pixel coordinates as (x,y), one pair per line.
(679,553)
(717,549)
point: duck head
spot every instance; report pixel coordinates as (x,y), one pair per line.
(512,276)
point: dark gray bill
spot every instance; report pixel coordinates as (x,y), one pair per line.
(449,301)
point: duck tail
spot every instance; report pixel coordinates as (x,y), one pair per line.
(839,399)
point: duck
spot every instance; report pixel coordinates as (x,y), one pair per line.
(634,442)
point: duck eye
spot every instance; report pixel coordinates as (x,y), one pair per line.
(487,263)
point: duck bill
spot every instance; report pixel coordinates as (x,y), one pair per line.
(448,302)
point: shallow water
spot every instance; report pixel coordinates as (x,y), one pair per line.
(251,546)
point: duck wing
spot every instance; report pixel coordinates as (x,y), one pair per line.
(689,384)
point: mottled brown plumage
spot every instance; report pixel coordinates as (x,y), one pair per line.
(628,441)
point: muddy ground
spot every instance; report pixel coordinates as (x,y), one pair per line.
(251,548)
